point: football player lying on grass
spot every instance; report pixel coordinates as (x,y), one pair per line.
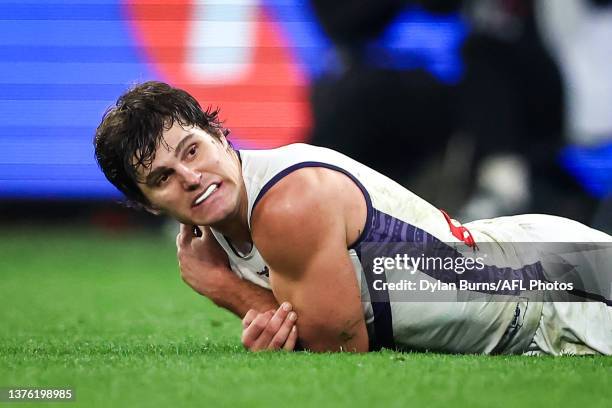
(290,226)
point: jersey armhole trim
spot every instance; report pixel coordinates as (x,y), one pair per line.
(283,173)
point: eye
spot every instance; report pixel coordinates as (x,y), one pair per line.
(162,179)
(192,151)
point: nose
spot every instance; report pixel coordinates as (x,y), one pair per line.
(191,178)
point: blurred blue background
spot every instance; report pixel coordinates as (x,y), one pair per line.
(477,87)
(63,63)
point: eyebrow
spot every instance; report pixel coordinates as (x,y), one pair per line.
(182,144)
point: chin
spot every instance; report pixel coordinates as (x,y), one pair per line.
(219,217)
(219,212)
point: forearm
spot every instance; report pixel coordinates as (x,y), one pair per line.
(239,296)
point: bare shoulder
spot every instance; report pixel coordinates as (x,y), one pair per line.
(301,227)
(309,205)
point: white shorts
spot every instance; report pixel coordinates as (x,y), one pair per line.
(573,328)
(565,328)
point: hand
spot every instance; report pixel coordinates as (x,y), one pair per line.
(271,330)
(203,263)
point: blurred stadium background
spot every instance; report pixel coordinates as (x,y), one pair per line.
(483,107)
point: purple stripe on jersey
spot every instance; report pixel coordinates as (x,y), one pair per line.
(389,230)
(283,173)
(383,325)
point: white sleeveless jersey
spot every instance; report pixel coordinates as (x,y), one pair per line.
(394,214)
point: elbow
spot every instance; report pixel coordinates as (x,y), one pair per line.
(343,348)
(334,347)
(320,339)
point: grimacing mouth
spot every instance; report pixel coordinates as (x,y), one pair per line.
(208,191)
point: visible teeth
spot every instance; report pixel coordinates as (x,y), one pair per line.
(211,189)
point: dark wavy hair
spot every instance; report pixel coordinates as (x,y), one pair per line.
(132,130)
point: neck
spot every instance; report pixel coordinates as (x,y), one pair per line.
(236,227)
(237,232)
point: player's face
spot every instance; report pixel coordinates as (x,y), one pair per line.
(194,178)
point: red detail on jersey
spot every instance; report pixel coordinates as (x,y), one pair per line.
(460,232)
(267,107)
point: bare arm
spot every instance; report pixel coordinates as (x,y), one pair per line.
(205,268)
(302,227)
(239,296)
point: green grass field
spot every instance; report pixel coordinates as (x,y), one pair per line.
(108,315)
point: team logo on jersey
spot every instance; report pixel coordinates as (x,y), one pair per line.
(265,272)
(228,53)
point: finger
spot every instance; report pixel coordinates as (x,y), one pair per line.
(249,317)
(282,335)
(185,234)
(179,238)
(184,229)
(179,247)
(252,333)
(273,326)
(291,340)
